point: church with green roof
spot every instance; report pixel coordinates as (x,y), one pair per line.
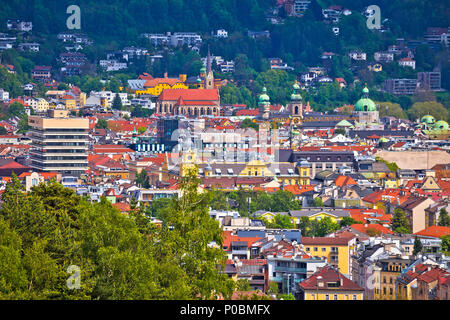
(366,111)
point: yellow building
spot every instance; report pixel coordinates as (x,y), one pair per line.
(329,284)
(335,215)
(391,183)
(337,250)
(155,86)
(42,105)
(69,103)
(283,172)
(390,269)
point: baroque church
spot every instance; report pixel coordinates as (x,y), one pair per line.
(191,103)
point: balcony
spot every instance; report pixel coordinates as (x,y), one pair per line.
(239,252)
(290,269)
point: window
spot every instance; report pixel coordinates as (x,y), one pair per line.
(315,249)
(327,297)
(335,297)
(324,249)
(354,297)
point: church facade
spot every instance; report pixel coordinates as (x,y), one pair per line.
(191,103)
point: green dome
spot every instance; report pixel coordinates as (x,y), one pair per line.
(383,139)
(199,80)
(203,70)
(296,96)
(264,98)
(428,119)
(365,104)
(441,125)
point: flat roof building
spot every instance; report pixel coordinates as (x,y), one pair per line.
(59,143)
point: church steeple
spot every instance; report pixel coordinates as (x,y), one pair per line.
(209,78)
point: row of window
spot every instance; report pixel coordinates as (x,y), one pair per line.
(315,249)
(335,297)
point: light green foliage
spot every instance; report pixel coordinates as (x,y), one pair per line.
(436,109)
(400,222)
(45,231)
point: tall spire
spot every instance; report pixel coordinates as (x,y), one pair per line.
(208,62)
(209,77)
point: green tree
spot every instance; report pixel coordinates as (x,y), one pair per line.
(444,219)
(243,285)
(142,179)
(101,124)
(417,246)
(348,221)
(445,244)
(248,123)
(318,202)
(117,102)
(186,241)
(400,222)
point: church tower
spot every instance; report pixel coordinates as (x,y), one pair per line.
(209,78)
(295,105)
(264,104)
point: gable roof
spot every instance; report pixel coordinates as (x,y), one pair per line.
(329,274)
(189,95)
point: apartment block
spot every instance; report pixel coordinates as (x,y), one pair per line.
(59,143)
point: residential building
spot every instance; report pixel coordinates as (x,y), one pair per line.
(59,143)
(33,47)
(429,80)
(19,25)
(290,269)
(400,86)
(337,250)
(414,208)
(42,73)
(357,55)
(407,62)
(381,56)
(329,284)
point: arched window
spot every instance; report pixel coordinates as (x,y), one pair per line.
(296,110)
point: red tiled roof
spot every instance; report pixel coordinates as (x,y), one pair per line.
(151,83)
(374,226)
(247,112)
(228,238)
(433,275)
(434,231)
(121,206)
(329,274)
(10,164)
(189,94)
(344,181)
(45,175)
(340,241)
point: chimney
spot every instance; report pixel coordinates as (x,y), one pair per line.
(165,75)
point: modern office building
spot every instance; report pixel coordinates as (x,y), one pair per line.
(400,86)
(429,81)
(59,143)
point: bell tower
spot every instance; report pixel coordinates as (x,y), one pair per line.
(296,105)
(209,78)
